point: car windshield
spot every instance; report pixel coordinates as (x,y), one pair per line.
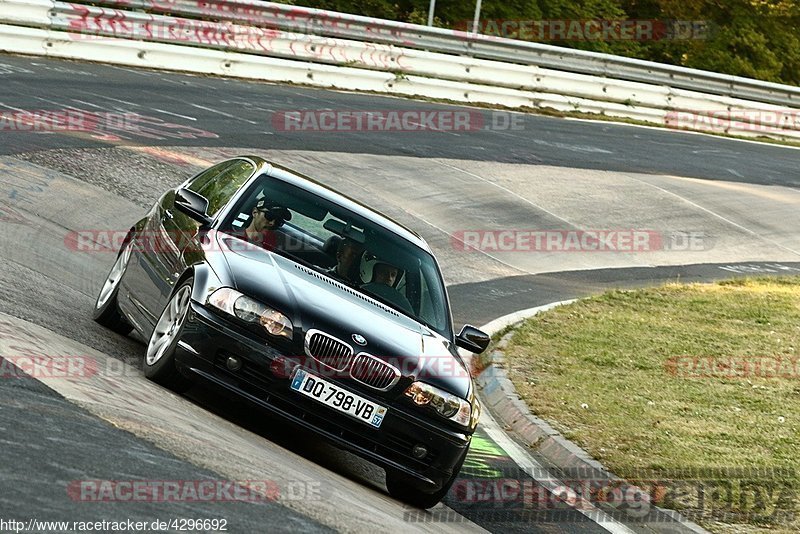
(339,243)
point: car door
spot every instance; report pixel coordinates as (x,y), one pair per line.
(181,231)
(171,233)
(219,192)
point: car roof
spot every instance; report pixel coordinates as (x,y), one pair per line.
(301,180)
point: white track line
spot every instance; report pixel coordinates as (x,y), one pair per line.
(714,214)
(509,191)
(113,99)
(86,103)
(224,114)
(674,131)
(173,114)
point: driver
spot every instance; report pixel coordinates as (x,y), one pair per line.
(384,276)
(267,217)
(347,255)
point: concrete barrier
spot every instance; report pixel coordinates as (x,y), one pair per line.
(78,31)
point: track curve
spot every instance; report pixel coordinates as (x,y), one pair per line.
(555,175)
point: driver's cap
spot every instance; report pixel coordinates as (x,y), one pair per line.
(273,211)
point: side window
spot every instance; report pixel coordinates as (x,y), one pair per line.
(220,190)
(202,179)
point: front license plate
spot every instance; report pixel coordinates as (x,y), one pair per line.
(340,399)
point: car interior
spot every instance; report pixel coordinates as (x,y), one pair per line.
(313,235)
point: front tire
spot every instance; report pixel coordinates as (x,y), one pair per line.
(159,361)
(404,488)
(106,312)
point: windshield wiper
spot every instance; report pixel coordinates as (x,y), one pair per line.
(388,303)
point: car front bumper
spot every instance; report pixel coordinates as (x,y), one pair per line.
(208,340)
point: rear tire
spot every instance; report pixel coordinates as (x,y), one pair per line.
(106,311)
(159,361)
(404,488)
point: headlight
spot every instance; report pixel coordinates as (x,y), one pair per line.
(249,310)
(449,406)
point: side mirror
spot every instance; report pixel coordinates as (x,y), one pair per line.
(472,339)
(193,204)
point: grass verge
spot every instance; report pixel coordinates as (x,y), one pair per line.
(701,377)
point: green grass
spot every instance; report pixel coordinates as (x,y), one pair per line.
(599,370)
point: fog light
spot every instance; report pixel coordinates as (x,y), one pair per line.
(233,363)
(419,451)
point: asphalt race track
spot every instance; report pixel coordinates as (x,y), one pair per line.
(717,208)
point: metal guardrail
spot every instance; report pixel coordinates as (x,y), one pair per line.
(250,45)
(354,27)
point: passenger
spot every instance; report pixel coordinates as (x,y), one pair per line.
(383,273)
(348,254)
(267,218)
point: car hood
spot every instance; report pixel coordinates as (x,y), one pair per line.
(314,301)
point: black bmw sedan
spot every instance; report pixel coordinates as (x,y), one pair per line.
(308,304)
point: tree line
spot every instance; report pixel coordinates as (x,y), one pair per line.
(752,38)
